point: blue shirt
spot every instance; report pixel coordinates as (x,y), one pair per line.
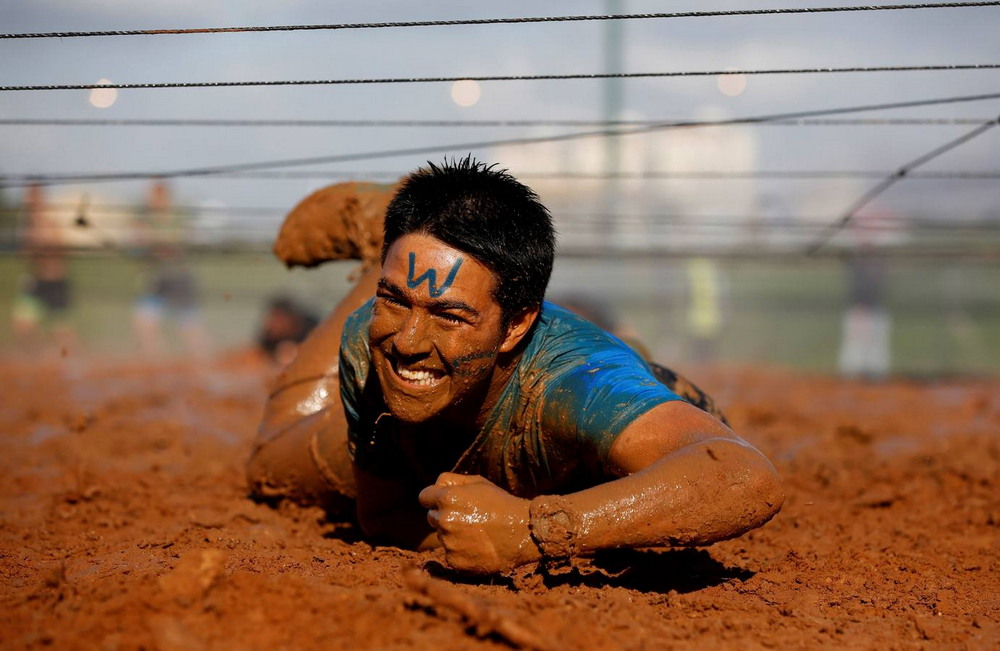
(573,392)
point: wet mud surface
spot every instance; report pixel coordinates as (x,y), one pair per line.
(124,523)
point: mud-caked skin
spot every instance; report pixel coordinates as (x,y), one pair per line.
(574,389)
(338,222)
(563,440)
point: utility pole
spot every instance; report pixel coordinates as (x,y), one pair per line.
(612,109)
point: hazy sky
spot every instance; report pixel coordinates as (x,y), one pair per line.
(885,38)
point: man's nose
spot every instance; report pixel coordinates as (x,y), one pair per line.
(413,338)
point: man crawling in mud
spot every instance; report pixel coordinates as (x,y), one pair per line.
(457,408)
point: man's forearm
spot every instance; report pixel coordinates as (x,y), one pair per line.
(706,492)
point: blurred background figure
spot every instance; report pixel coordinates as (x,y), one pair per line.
(284,326)
(41,308)
(703,318)
(866,332)
(171,289)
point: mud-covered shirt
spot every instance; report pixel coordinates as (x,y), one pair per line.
(573,392)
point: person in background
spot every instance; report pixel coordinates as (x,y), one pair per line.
(41,308)
(867,325)
(703,317)
(284,326)
(171,288)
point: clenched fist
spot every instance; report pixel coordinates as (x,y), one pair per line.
(339,222)
(483,528)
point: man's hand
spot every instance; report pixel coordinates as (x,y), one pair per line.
(483,528)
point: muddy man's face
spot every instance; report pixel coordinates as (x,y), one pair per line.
(436,330)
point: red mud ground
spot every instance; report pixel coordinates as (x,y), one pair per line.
(124,524)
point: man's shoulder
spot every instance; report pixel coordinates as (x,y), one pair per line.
(362,315)
(583,385)
(570,360)
(564,341)
(354,339)
(357,323)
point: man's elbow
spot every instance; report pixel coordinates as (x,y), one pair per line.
(761,491)
(769,493)
(747,491)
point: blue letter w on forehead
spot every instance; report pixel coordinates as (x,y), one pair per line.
(431,277)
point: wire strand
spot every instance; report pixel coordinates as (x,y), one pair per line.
(574,222)
(576,176)
(510,142)
(199,122)
(498,21)
(987,253)
(694,174)
(434,80)
(901,173)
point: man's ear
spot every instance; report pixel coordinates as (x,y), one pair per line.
(518,327)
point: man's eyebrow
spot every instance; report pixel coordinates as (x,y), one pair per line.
(452,304)
(390,286)
(440,305)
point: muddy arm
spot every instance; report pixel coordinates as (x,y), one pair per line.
(686,479)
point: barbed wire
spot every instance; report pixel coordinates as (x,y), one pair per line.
(208,122)
(468,146)
(693,174)
(570,223)
(761,174)
(986,253)
(498,21)
(831,231)
(817,221)
(9,180)
(566,77)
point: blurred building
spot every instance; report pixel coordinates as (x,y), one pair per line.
(656,203)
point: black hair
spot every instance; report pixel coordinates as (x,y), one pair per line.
(486,213)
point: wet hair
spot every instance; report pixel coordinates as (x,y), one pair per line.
(486,213)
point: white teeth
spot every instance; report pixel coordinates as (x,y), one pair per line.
(417,377)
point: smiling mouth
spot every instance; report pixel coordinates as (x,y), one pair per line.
(418,377)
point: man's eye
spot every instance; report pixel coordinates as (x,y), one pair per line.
(451,318)
(392,300)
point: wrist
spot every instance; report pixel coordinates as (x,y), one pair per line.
(527,550)
(553,525)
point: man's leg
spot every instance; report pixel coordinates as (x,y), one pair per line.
(301,447)
(306,462)
(687,390)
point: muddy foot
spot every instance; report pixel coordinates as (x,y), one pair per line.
(338,222)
